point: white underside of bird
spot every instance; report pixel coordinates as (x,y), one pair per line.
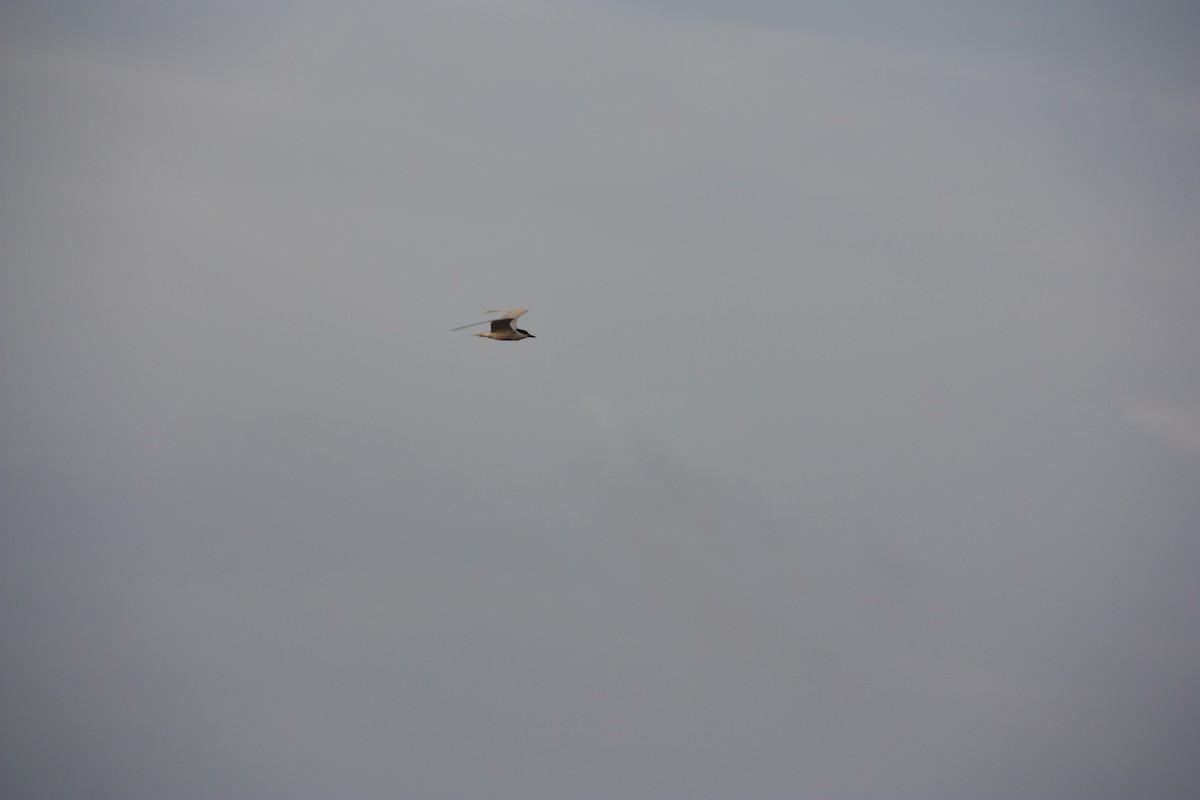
(502,328)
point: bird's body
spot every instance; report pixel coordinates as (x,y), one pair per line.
(503,328)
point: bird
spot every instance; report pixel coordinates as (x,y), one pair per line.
(503,328)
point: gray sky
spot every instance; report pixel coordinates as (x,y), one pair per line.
(857,455)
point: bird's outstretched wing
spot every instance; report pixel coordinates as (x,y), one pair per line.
(510,316)
(509,313)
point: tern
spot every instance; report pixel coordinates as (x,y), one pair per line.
(502,328)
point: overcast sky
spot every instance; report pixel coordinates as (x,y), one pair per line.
(857,454)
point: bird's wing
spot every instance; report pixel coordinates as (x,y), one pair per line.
(509,313)
(501,324)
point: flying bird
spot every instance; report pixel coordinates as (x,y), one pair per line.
(503,328)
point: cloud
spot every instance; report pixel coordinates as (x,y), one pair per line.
(811,482)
